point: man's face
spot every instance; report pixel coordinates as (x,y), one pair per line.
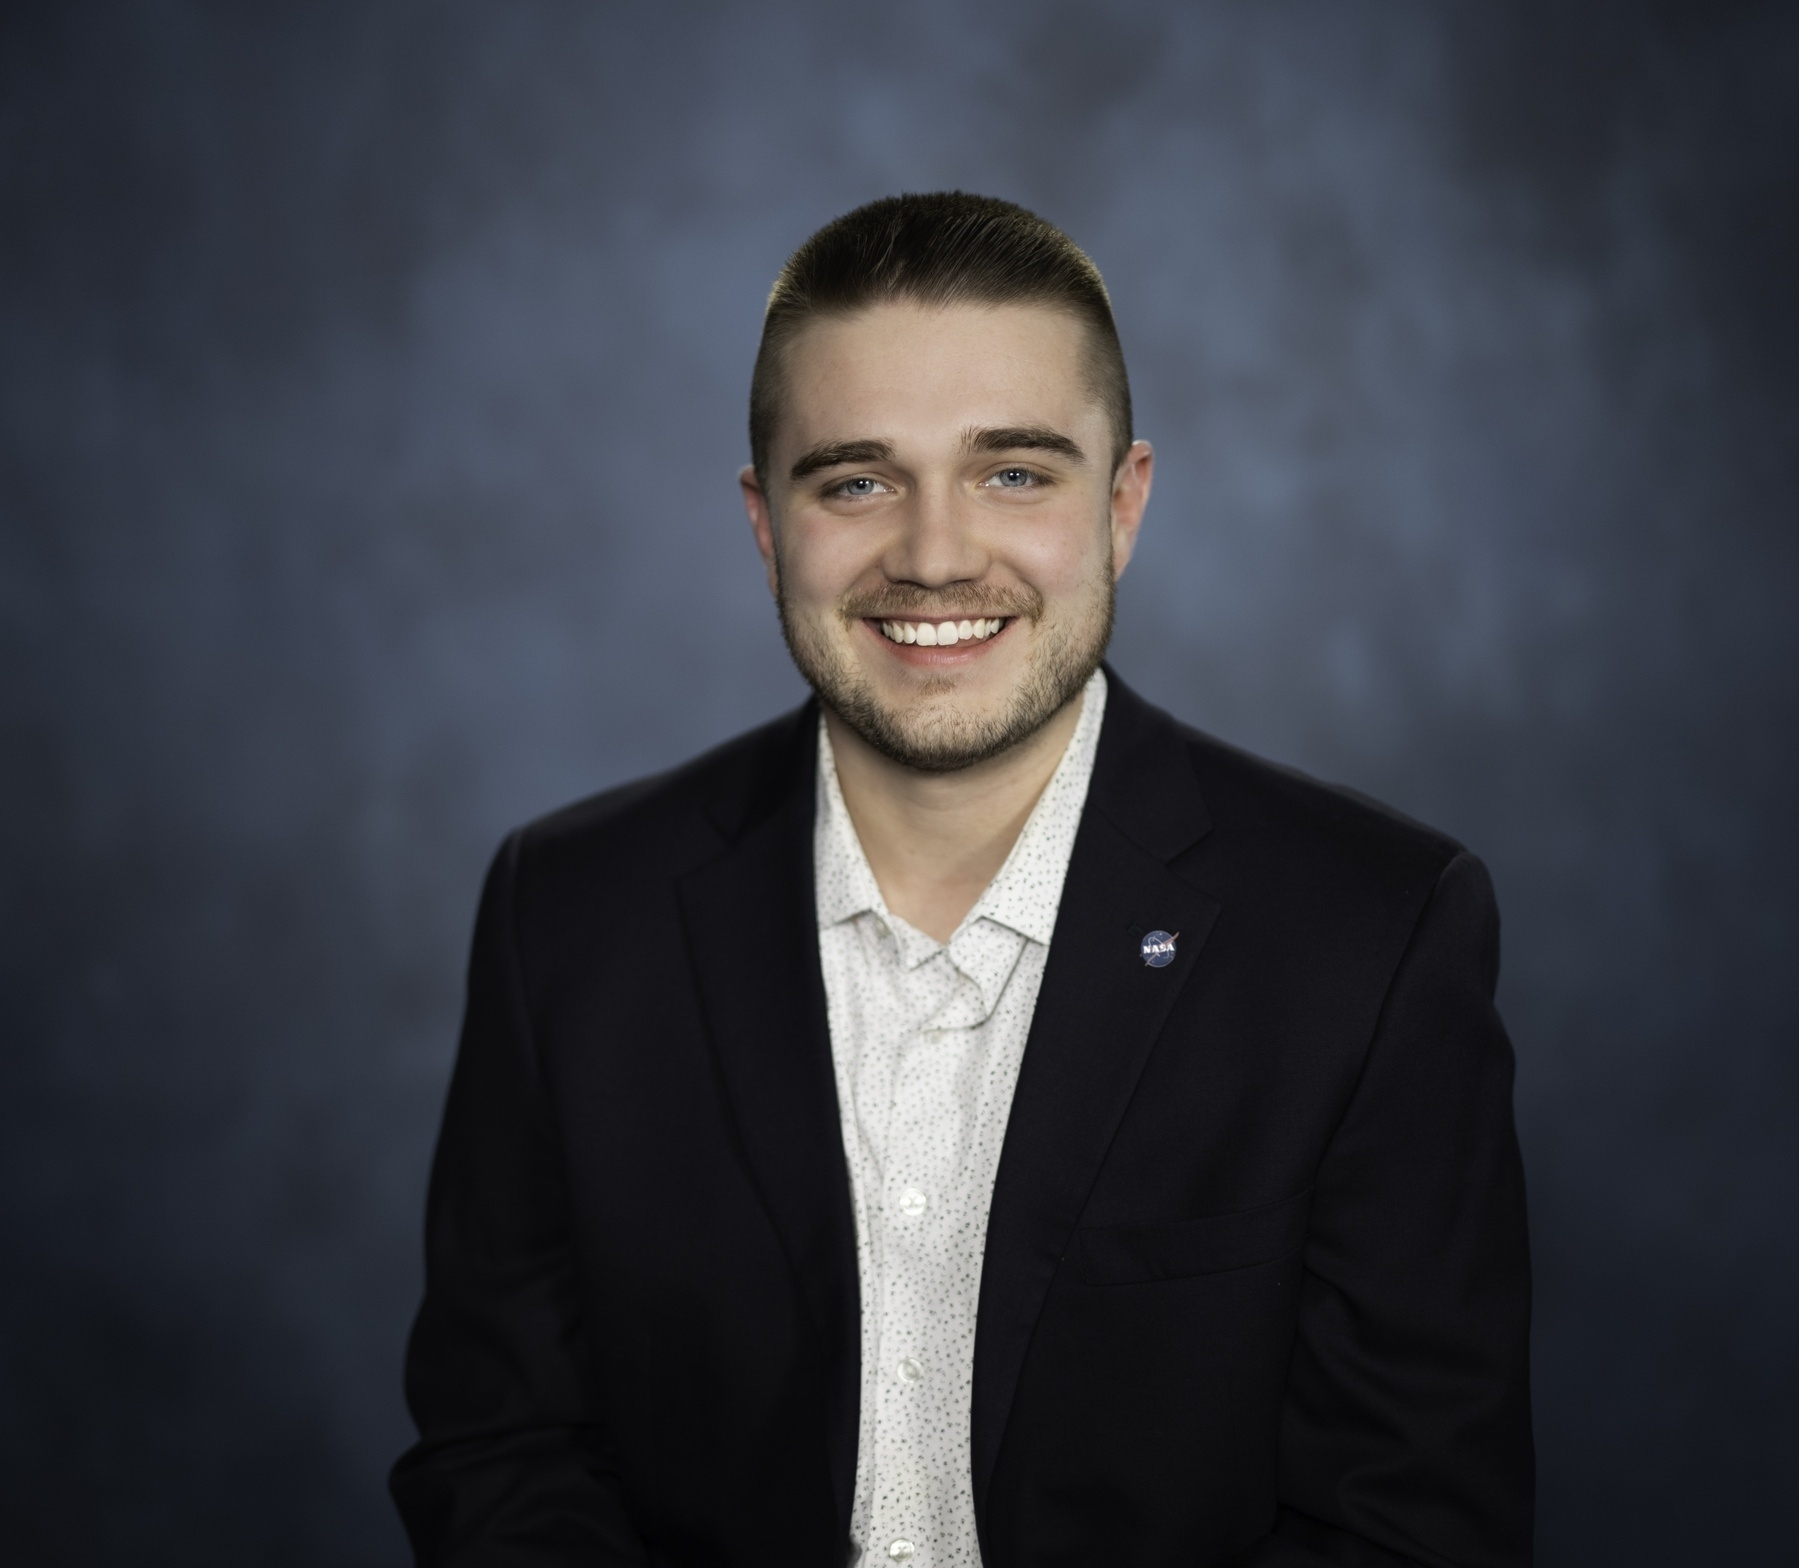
(942,524)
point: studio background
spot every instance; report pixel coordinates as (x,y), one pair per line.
(372,384)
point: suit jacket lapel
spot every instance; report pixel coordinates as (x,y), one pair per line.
(752,924)
(1098,1014)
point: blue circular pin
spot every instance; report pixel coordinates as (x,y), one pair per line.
(1158,949)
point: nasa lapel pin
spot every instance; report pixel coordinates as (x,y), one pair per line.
(1158,949)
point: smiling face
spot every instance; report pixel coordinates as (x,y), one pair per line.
(942,523)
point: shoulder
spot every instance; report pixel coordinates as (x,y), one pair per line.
(1268,805)
(1276,832)
(671,821)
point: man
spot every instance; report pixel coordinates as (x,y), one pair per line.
(974,1119)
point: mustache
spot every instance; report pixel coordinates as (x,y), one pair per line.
(953,601)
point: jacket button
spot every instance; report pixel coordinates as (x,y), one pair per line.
(901,1551)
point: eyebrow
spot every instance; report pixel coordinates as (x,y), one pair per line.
(1022,438)
(834,454)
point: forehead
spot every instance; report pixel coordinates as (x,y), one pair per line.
(900,368)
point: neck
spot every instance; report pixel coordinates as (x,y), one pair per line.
(935,840)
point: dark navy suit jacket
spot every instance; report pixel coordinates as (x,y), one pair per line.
(1256,1286)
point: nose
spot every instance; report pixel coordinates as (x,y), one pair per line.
(937,542)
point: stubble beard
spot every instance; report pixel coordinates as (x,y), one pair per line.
(934,735)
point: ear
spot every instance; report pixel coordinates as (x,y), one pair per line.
(1130,495)
(762,524)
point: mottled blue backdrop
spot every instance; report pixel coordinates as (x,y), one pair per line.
(372,384)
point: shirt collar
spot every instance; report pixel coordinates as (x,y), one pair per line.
(1026,894)
(1028,890)
(846,885)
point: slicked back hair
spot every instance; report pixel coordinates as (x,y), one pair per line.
(947,248)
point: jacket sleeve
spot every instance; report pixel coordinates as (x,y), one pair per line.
(1405,1433)
(511,1463)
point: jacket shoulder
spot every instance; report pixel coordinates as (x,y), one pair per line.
(1249,805)
(1323,869)
(1258,792)
(672,818)
(1272,820)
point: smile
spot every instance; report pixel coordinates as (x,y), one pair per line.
(940,634)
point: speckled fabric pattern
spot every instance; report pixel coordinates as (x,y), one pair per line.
(927,1039)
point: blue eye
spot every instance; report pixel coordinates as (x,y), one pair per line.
(1014,478)
(863,486)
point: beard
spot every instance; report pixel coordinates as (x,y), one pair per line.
(933,733)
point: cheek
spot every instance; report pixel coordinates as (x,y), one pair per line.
(1060,561)
(818,564)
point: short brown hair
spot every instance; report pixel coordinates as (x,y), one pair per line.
(946,248)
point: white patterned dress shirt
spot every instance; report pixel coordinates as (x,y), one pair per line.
(927,1038)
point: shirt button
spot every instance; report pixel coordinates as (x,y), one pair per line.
(910,1371)
(913,1202)
(901,1551)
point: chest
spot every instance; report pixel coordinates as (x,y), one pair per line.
(926,1052)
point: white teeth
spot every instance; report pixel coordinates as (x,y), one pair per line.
(940,634)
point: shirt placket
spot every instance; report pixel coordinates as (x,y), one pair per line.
(921,1334)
